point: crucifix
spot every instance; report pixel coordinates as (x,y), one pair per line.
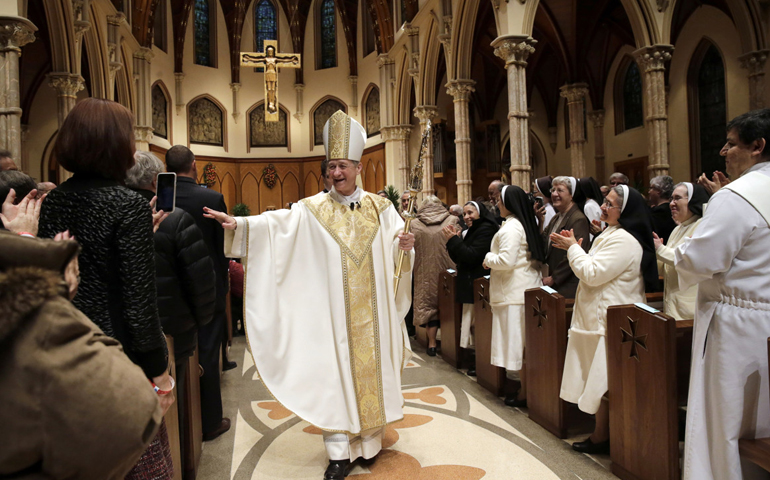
(271,60)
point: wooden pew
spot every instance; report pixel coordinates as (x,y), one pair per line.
(547,320)
(643,392)
(489,376)
(172,418)
(194,439)
(757,450)
(450,316)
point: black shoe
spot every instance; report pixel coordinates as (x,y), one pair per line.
(224,426)
(514,402)
(587,446)
(337,470)
(432,352)
(367,462)
(228,366)
(471,372)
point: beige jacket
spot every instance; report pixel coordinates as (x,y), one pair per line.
(677,303)
(512,270)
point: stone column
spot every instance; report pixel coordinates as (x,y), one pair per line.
(142,74)
(754,62)
(399,135)
(652,62)
(597,118)
(15,32)
(426,113)
(236,87)
(514,50)
(67,86)
(461,91)
(575,94)
(353,79)
(114,39)
(178,96)
(299,88)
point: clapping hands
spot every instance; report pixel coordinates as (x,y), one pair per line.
(565,239)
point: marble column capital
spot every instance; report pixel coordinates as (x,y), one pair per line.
(514,49)
(144,53)
(596,117)
(754,62)
(426,112)
(300,87)
(653,57)
(384,60)
(574,92)
(15,32)
(461,89)
(66,84)
(399,132)
(143,133)
(235,87)
(117,19)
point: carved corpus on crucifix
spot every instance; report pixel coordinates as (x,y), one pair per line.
(271,60)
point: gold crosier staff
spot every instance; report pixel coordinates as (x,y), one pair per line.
(415,186)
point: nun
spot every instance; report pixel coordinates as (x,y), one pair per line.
(686,210)
(616,271)
(543,188)
(467,249)
(515,258)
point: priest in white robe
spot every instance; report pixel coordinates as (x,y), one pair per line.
(324,325)
(728,256)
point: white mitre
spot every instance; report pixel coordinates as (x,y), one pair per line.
(344,138)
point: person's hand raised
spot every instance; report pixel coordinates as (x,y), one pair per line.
(449,232)
(227,222)
(595,227)
(565,239)
(24,217)
(657,241)
(157,216)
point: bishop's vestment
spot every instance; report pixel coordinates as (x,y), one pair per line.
(324,325)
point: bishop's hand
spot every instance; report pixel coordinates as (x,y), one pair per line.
(406,241)
(227,222)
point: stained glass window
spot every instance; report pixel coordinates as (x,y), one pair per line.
(202,25)
(265,24)
(633,112)
(328,35)
(712,114)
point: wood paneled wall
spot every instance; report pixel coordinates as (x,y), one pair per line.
(240,179)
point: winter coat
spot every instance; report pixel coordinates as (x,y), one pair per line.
(430,259)
(117,263)
(184,278)
(74,405)
(468,254)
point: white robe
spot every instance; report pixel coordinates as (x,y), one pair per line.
(610,274)
(298,310)
(677,303)
(512,273)
(729,259)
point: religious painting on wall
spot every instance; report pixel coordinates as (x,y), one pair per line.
(267,134)
(373,112)
(159,112)
(321,115)
(205,122)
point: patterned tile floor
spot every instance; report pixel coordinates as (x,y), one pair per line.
(452,429)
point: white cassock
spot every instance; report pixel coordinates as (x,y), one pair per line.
(512,272)
(323,323)
(678,303)
(729,259)
(610,274)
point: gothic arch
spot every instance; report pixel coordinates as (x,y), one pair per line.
(169,111)
(58,31)
(365,110)
(222,109)
(93,46)
(462,40)
(746,15)
(619,104)
(260,104)
(429,66)
(404,91)
(312,115)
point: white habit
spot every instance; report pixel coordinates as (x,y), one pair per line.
(324,326)
(512,273)
(729,259)
(610,274)
(678,303)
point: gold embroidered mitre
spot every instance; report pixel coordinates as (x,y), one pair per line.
(344,138)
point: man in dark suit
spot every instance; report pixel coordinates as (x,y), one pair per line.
(192,198)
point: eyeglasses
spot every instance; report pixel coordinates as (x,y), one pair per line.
(608,205)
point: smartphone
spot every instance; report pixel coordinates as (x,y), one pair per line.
(166,192)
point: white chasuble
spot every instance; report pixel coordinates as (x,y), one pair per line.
(610,274)
(729,259)
(323,323)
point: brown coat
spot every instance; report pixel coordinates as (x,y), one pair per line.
(430,258)
(564,280)
(73,405)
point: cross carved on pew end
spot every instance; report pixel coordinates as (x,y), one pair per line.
(483,298)
(635,339)
(542,315)
(446,286)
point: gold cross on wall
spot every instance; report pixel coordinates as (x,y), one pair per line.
(271,60)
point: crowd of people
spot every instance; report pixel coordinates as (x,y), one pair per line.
(92,279)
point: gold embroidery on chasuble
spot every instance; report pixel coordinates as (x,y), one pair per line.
(354,232)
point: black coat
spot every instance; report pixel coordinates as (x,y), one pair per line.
(662,223)
(117,262)
(191,197)
(468,254)
(185,279)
